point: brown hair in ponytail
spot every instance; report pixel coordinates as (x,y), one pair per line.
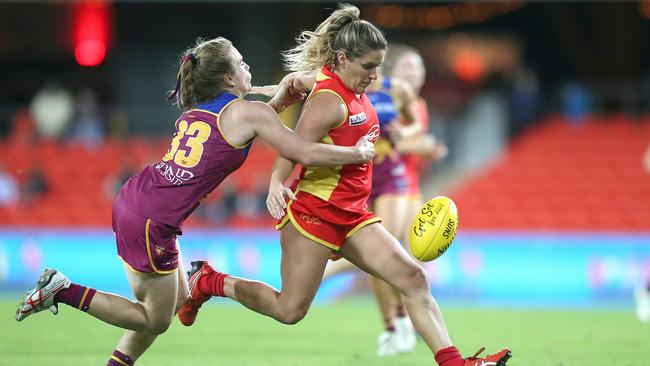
(201,72)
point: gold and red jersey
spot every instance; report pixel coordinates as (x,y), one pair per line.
(348,186)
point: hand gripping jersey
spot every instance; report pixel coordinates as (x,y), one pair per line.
(389,172)
(346,187)
(198,160)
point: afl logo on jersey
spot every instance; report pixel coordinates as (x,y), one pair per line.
(373,134)
(358,119)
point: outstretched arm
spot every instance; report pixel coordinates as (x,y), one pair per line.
(297,82)
(267,125)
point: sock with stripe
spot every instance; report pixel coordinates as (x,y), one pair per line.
(449,357)
(76,296)
(212,284)
(120,359)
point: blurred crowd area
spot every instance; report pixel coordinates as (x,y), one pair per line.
(66,181)
(71,133)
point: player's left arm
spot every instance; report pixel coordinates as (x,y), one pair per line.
(404,99)
(290,89)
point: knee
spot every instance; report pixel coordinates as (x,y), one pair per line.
(159,326)
(292,315)
(420,277)
(416,279)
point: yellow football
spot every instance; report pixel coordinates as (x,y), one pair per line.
(433,228)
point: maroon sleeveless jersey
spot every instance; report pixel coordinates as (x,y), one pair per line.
(199,159)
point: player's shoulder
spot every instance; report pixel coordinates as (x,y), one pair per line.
(326,95)
(329,108)
(326,82)
(246,110)
(326,99)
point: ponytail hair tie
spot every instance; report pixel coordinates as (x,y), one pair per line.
(190,56)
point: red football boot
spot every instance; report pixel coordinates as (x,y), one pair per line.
(498,359)
(187,314)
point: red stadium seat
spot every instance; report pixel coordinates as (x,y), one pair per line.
(565,177)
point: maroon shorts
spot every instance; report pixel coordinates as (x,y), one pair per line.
(143,244)
(388,177)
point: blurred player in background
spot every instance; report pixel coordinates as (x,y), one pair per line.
(393,101)
(404,62)
(328,209)
(418,149)
(213,136)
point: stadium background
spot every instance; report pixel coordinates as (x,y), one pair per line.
(544,107)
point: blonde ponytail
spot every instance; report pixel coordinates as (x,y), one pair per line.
(343,31)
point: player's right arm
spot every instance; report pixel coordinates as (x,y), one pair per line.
(323,112)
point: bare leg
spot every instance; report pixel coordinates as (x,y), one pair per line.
(156,299)
(387,298)
(386,259)
(414,206)
(133,343)
(336,267)
(392,209)
(303,263)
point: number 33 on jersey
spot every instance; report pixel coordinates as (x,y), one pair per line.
(198,159)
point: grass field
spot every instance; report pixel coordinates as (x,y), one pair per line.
(332,335)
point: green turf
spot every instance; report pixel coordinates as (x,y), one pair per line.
(341,334)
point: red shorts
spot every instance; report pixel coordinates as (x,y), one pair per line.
(323,222)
